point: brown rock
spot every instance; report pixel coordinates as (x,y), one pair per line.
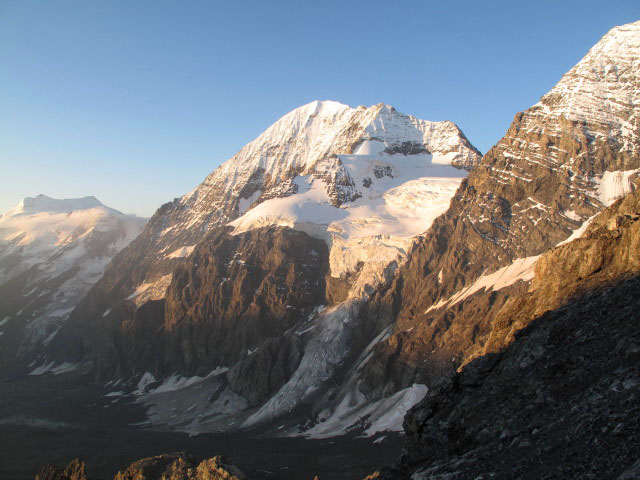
(74,471)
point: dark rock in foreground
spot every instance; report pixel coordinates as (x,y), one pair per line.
(74,471)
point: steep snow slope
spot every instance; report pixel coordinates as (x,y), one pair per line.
(51,252)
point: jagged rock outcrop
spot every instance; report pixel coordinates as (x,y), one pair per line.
(556,393)
(561,162)
(180,466)
(74,471)
(173,466)
(51,253)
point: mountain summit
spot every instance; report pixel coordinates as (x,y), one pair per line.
(42,203)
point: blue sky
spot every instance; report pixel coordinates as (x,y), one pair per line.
(136,102)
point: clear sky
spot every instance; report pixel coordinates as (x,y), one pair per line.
(135,102)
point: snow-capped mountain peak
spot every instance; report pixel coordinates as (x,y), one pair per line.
(308,141)
(43,203)
(360,182)
(329,151)
(603,87)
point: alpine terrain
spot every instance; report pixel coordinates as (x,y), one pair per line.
(353,265)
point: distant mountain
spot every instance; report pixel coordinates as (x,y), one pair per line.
(51,252)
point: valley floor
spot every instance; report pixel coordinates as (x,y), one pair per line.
(52,419)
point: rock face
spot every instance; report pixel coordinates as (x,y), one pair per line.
(235,294)
(556,393)
(561,162)
(174,466)
(51,253)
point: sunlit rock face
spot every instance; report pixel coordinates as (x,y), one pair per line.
(561,356)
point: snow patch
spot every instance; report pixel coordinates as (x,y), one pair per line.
(118,393)
(62,312)
(520,269)
(176,382)
(578,232)
(386,414)
(182,252)
(51,367)
(614,185)
(245,203)
(570,214)
(144,382)
(151,290)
